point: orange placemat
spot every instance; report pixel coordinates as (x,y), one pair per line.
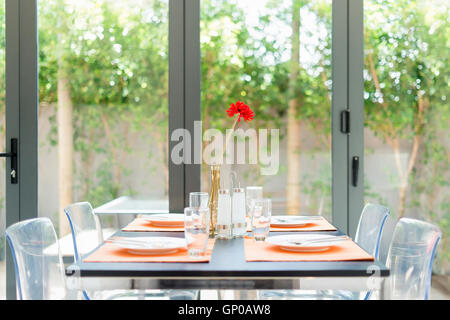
(142,225)
(316,225)
(108,252)
(345,251)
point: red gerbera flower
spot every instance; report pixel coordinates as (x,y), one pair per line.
(242,109)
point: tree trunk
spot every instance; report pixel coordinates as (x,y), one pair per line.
(87,163)
(391,136)
(115,156)
(422,104)
(205,178)
(162,148)
(65,148)
(405,181)
(293,123)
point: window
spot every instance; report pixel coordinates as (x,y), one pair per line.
(103,91)
(2,147)
(407,111)
(104,114)
(280,65)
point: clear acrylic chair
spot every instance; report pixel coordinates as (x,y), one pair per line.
(87,235)
(39,272)
(368,236)
(410,259)
(370,228)
(85,227)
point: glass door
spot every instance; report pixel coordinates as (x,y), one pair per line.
(18,125)
(103,97)
(2,148)
(103,105)
(406,110)
(275,56)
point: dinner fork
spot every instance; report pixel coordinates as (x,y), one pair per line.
(293,219)
(327,239)
(127,241)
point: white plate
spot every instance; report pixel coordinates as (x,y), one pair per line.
(166,220)
(291,221)
(287,242)
(150,245)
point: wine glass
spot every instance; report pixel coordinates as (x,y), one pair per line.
(252,193)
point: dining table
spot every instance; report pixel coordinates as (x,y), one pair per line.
(133,205)
(227,268)
(125,208)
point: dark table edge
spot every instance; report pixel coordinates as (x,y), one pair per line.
(220,274)
(253,274)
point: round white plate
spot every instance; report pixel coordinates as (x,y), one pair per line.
(166,220)
(150,245)
(289,221)
(293,243)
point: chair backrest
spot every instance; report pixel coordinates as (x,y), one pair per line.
(370,228)
(39,270)
(85,227)
(410,259)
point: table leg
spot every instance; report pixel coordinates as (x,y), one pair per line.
(382,290)
(245,295)
(209,294)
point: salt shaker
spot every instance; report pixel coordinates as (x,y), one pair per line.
(223,226)
(238,209)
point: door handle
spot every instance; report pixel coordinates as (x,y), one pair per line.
(13,155)
(355,170)
(345,121)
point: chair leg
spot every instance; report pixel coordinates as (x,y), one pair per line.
(209,294)
(246,294)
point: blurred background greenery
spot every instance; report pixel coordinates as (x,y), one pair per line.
(103,90)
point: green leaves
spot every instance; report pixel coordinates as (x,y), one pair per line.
(117,61)
(406,86)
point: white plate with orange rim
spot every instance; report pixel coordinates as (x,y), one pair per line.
(149,245)
(166,219)
(292,221)
(305,242)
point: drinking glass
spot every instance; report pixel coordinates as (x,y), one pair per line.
(260,211)
(252,193)
(196,230)
(198,199)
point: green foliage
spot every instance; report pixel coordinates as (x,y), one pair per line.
(408,52)
(406,88)
(238,65)
(117,60)
(249,60)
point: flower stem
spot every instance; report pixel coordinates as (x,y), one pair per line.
(227,139)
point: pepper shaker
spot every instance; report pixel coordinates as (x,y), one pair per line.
(223,226)
(238,209)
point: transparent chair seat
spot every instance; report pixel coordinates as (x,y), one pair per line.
(410,259)
(39,274)
(145,295)
(306,295)
(87,235)
(368,236)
